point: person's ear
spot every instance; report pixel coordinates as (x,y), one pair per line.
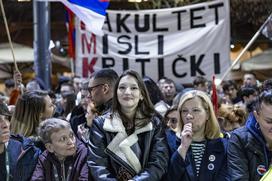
(49,147)
(256,114)
(106,88)
(141,97)
(41,115)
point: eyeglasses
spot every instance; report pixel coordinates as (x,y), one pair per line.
(67,138)
(90,89)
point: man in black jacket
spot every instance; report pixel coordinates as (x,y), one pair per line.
(250,147)
(100,89)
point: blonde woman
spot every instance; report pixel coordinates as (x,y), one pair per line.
(200,151)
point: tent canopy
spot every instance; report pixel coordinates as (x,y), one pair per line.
(262,61)
(22,53)
(24,56)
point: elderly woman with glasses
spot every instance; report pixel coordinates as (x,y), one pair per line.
(250,147)
(65,157)
(200,151)
(129,142)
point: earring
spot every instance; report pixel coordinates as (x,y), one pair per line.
(257,125)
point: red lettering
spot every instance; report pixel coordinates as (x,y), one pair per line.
(88,67)
(88,44)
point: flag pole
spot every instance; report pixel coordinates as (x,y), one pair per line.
(246,48)
(16,74)
(9,39)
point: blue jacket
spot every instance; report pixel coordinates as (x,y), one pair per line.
(23,157)
(248,155)
(213,164)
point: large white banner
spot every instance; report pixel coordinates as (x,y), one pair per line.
(178,43)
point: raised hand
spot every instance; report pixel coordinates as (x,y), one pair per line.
(186,139)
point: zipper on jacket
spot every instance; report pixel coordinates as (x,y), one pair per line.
(7,164)
(62,170)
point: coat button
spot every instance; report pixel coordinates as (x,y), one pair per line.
(210,166)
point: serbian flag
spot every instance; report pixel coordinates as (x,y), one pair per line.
(91,12)
(70,23)
(267,30)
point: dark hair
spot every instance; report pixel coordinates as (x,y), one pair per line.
(70,102)
(52,95)
(267,85)
(4,109)
(246,91)
(169,81)
(62,80)
(145,106)
(107,75)
(199,80)
(227,84)
(153,90)
(9,83)
(265,97)
(170,110)
(69,85)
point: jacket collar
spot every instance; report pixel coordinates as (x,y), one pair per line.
(253,126)
(104,108)
(121,143)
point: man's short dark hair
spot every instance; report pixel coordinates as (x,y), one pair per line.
(227,84)
(199,80)
(267,85)
(9,83)
(108,75)
(246,91)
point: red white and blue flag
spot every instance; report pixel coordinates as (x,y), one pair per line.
(267,30)
(70,23)
(91,12)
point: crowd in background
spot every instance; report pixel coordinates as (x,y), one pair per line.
(128,127)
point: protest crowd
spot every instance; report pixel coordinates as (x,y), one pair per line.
(128,127)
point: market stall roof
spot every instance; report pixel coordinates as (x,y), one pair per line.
(262,61)
(24,56)
(22,53)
